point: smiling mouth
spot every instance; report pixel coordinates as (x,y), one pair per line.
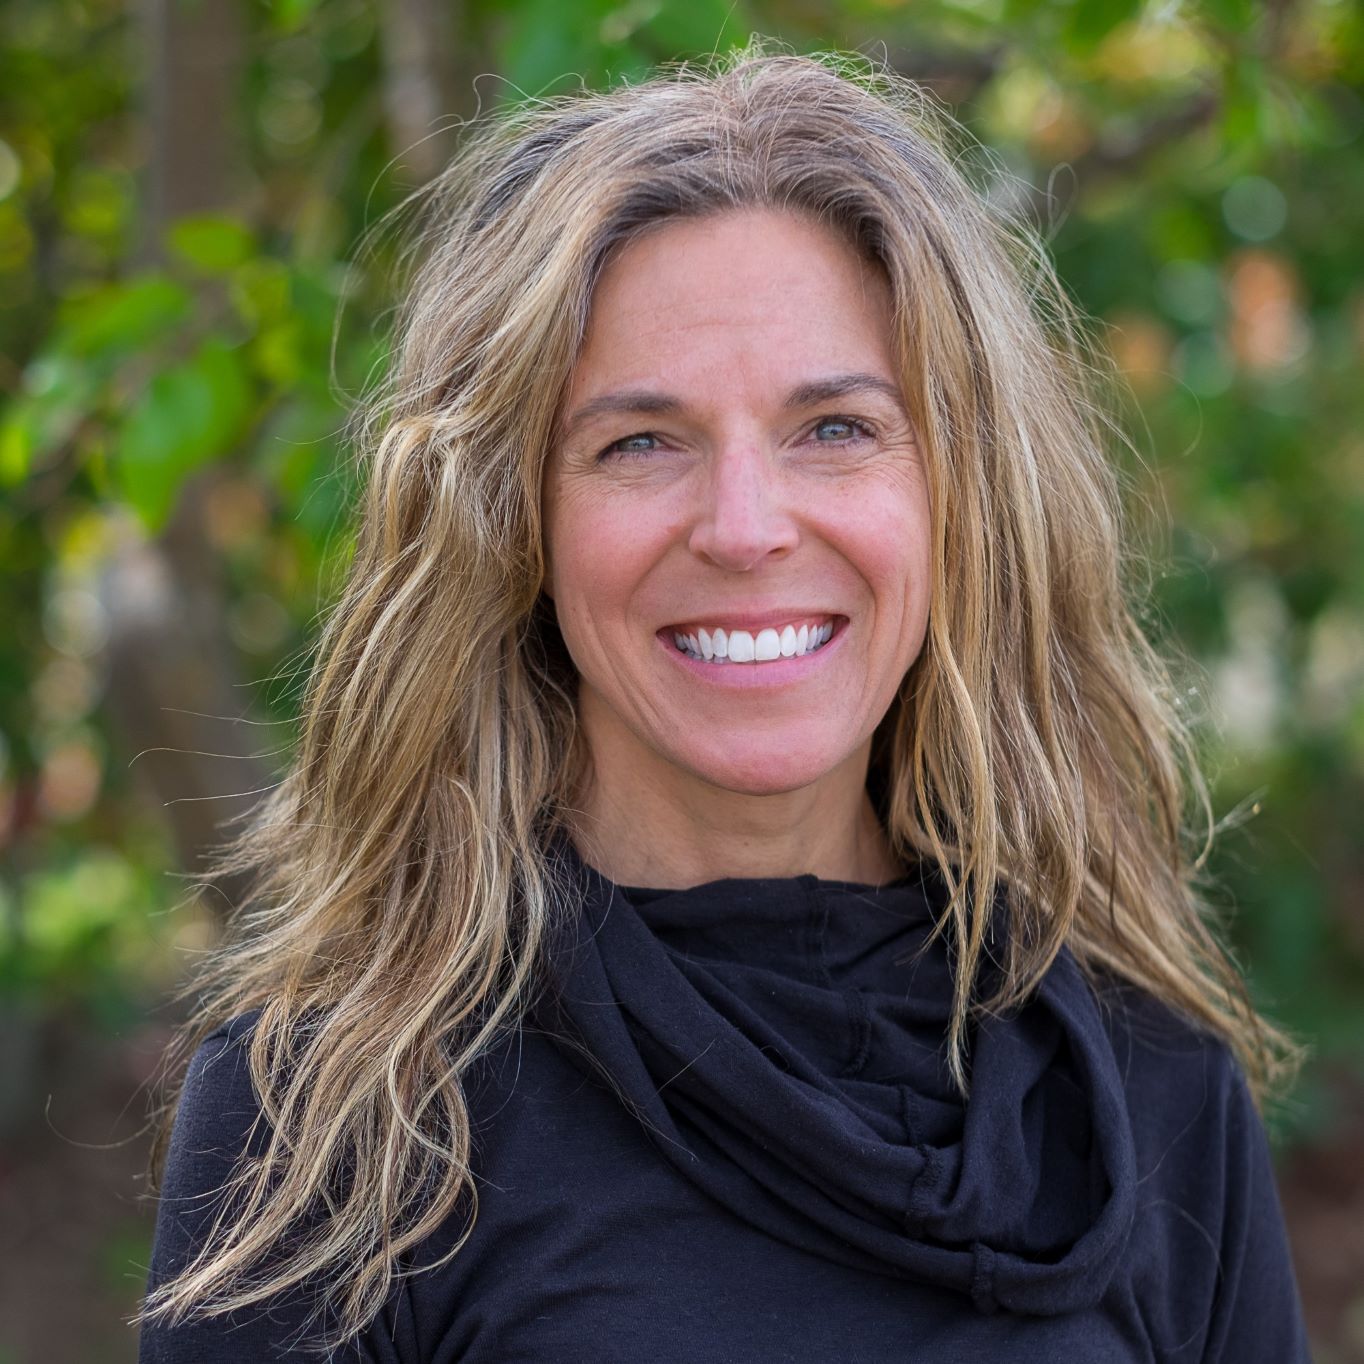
(793,640)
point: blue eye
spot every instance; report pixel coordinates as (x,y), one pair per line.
(621,448)
(863,431)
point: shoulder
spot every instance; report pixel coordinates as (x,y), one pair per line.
(1175,1072)
(1190,1111)
(1197,1134)
(229,1039)
(219,1068)
(217,1116)
(218,1124)
(217,1121)
(1209,1243)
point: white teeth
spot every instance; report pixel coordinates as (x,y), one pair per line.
(740,647)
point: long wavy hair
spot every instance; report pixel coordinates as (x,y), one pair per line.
(401,893)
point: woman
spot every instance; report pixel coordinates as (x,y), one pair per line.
(731,900)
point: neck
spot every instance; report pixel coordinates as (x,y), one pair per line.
(639,831)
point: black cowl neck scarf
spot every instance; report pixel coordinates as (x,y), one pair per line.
(783,1041)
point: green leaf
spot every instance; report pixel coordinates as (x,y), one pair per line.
(545,41)
(290,15)
(57,395)
(68,911)
(276,352)
(16,450)
(188,415)
(124,316)
(1087,23)
(212,244)
(74,926)
(302,453)
(700,26)
(260,291)
(1234,17)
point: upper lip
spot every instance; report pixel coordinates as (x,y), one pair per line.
(752,620)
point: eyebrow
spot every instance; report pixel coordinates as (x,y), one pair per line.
(808,394)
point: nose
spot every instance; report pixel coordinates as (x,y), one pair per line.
(745,517)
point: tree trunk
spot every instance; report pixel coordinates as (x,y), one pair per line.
(431,56)
(173,691)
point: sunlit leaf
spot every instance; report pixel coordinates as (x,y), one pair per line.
(57,395)
(16,449)
(289,15)
(212,244)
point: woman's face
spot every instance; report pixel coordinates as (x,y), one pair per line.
(737,480)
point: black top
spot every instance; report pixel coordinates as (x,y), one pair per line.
(728,1134)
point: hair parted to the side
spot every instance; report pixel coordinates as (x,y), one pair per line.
(401,892)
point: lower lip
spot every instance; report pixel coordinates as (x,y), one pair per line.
(776,672)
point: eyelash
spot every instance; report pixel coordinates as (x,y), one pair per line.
(866,430)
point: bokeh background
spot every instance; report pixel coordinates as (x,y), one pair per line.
(186,315)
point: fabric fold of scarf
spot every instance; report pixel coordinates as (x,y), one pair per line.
(783,1042)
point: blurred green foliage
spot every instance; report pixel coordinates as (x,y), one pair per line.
(1195,169)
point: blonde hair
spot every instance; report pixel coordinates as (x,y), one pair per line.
(401,896)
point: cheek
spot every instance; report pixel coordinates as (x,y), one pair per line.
(887,538)
(602,552)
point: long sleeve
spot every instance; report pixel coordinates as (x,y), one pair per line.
(1257,1315)
(213,1127)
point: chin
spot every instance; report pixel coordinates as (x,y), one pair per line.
(754,774)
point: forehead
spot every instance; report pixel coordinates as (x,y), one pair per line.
(745,292)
